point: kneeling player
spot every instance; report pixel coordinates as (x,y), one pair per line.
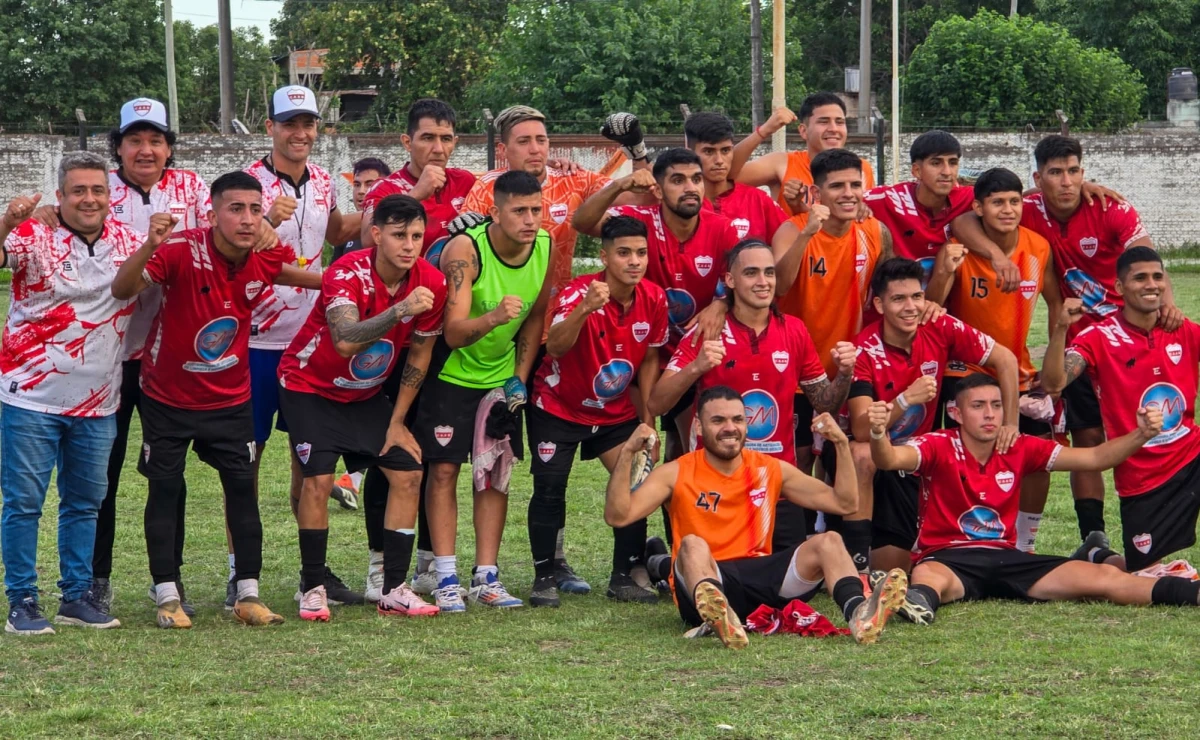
(970,490)
(721,501)
(330,380)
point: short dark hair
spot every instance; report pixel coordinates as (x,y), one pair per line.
(897,268)
(743,246)
(933,143)
(430,108)
(515,182)
(672,158)
(116,136)
(716,393)
(816,100)
(1135,254)
(236,180)
(997,180)
(372,163)
(973,381)
(707,127)
(1056,146)
(398,209)
(833,160)
(619,226)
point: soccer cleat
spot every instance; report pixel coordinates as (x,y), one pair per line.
(493,593)
(339,593)
(544,593)
(623,587)
(916,608)
(188,609)
(25,618)
(424,583)
(102,589)
(85,612)
(251,612)
(172,617)
(567,582)
(869,618)
(716,613)
(314,605)
(402,602)
(230,594)
(343,492)
(374,590)
(1096,540)
(449,596)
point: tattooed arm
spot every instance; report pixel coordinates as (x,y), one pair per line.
(1060,368)
(461,265)
(419,353)
(827,396)
(351,336)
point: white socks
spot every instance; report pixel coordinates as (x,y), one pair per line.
(445,566)
(1027,529)
(165,592)
(232,566)
(558,547)
(247,588)
(481,574)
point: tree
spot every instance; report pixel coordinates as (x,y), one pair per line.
(990,71)
(198,76)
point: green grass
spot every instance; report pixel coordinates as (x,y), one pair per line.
(589,669)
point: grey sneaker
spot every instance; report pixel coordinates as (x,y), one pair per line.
(544,593)
(622,587)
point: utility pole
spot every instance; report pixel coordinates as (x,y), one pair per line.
(1012,9)
(756,68)
(225,51)
(864,68)
(778,72)
(172,90)
(895,91)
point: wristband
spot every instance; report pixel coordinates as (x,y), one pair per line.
(758,132)
(877,435)
(902,402)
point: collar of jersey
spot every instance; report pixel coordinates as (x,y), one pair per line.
(285,177)
(103,232)
(120,171)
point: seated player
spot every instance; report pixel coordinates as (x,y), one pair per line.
(196,379)
(606,330)
(970,489)
(372,303)
(721,499)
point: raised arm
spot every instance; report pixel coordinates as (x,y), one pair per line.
(593,212)
(623,506)
(351,335)
(295,277)
(19,209)
(884,454)
(829,395)
(790,244)
(563,334)
(804,490)
(129,280)
(672,384)
(1058,368)
(342,227)
(949,258)
(766,170)
(1115,451)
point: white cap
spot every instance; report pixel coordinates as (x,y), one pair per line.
(144,110)
(291,101)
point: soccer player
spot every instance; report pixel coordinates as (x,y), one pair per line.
(822,126)
(372,303)
(607,329)
(966,548)
(753,213)
(497,292)
(196,380)
(1133,362)
(60,375)
(765,356)
(903,361)
(970,284)
(721,499)
(367,171)
(430,140)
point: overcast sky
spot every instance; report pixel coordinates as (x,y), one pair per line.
(245,12)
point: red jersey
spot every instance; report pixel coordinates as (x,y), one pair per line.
(197,353)
(690,272)
(766,369)
(917,232)
(440,208)
(883,372)
(311,364)
(967,504)
(1132,369)
(610,349)
(753,213)
(1086,249)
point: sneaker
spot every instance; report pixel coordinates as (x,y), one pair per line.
(716,613)
(545,592)
(449,596)
(346,497)
(622,587)
(402,602)
(230,594)
(1096,540)
(566,580)
(85,612)
(425,583)
(658,565)
(314,605)
(25,618)
(102,589)
(374,591)
(492,593)
(172,617)
(869,618)
(339,593)
(188,609)
(916,608)
(252,612)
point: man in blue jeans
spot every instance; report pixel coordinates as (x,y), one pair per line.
(60,380)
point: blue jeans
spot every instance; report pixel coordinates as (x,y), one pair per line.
(32,444)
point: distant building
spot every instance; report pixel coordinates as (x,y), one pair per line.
(307,67)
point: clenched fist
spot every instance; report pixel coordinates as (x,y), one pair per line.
(826,426)
(954,254)
(1072,311)
(418,302)
(710,355)
(432,179)
(508,308)
(19,209)
(844,355)
(922,391)
(597,296)
(878,414)
(161,226)
(796,193)
(817,215)
(282,209)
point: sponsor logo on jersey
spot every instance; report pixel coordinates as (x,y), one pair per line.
(434,255)
(1167,398)
(703,264)
(762,421)
(929,368)
(1005,480)
(1029,289)
(780,359)
(546,450)
(641,330)
(1174,353)
(926,264)
(981,523)
(743,227)
(253,288)
(1143,542)
(443,434)
(612,379)
(680,305)
(1091,292)
(908,423)
(1088,245)
(303,452)
(558,212)
(212,342)
(369,368)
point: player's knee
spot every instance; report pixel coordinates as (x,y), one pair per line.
(692,546)
(442,476)
(317,487)
(827,542)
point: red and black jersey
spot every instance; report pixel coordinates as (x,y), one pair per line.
(440,208)
(917,232)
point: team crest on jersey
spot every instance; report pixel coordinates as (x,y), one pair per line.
(743,227)
(1143,543)
(179,210)
(118,209)
(757,496)
(443,434)
(929,368)
(303,452)
(457,203)
(558,212)
(1005,479)
(253,288)
(546,450)
(780,358)
(1028,289)
(1088,245)
(704,264)
(141,107)
(641,330)
(1174,353)
(860,262)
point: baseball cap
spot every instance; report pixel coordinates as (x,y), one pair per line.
(144,110)
(291,101)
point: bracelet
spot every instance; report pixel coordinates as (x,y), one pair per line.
(758,132)
(877,435)
(902,402)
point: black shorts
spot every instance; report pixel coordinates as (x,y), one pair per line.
(668,419)
(1025,425)
(991,573)
(553,440)
(222,438)
(894,519)
(802,421)
(748,583)
(1083,407)
(445,421)
(323,431)
(1162,521)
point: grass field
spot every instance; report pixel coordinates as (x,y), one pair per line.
(590,669)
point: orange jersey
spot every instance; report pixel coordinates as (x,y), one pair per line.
(832,285)
(799,167)
(977,302)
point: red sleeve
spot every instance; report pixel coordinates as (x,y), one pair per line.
(660,325)
(378,192)
(276,258)
(965,343)
(1084,345)
(810,369)
(773,216)
(163,266)
(22,241)
(684,353)
(340,288)
(1125,223)
(864,368)
(430,323)
(1037,454)
(927,446)
(566,301)
(961,200)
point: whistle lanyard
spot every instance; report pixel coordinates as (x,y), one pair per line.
(301,201)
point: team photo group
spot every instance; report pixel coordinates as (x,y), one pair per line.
(807,380)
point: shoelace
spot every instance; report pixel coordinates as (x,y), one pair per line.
(494,591)
(31,610)
(311,600)
(448,593)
